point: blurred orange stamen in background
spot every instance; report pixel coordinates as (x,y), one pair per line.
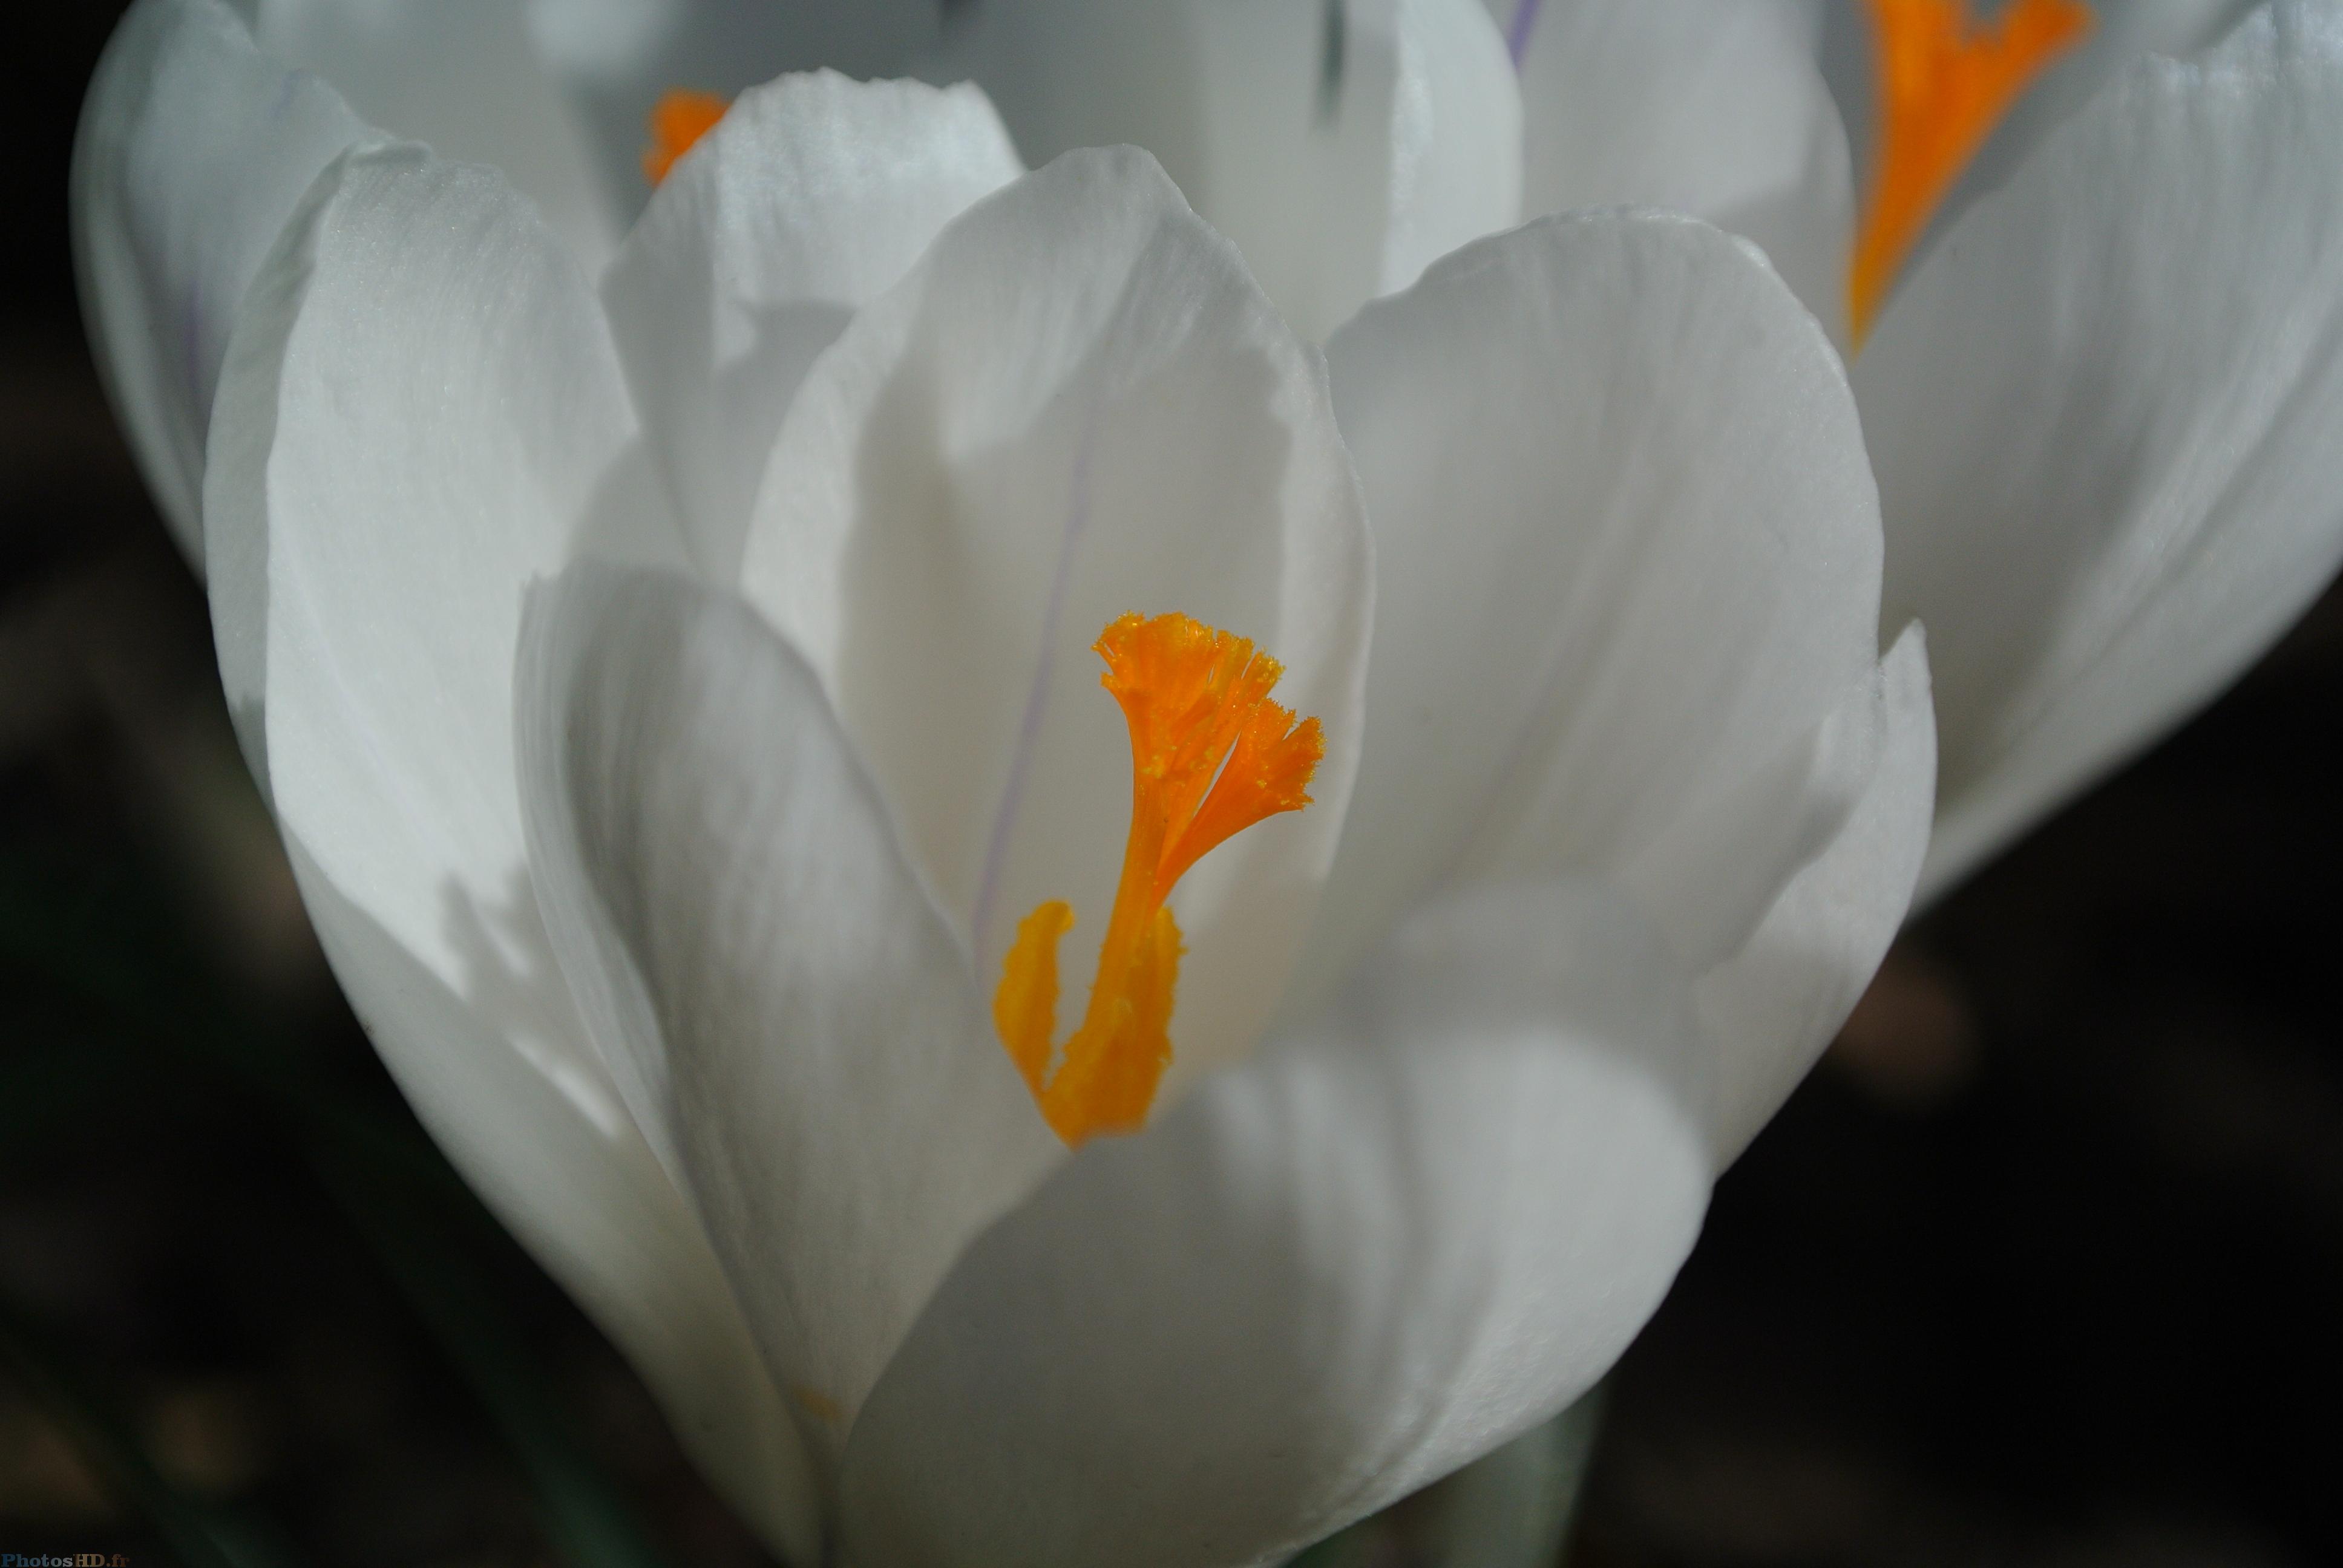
(677,122)
(1943,85)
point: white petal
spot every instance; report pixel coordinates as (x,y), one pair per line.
(1771,1008)
(193,150)
(462,76)
(1077,407)
(812,196)
(2106,414)
(1732,850)
(1713,108)
(1342,146)
(1455,131)
(805,1039)
(491,1064)
(417,412)
(618,57)
(1628,551)
(2120,36)
(1340,1270)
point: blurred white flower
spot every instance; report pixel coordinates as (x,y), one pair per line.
(1342,147)
(678,702)
(2105,401)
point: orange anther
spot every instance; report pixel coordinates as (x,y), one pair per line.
(1209,757)
(1943,85)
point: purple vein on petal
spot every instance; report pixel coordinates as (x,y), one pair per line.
(1037,696)
(1517,36)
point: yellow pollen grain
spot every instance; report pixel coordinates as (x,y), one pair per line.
(677,122)
(1943,85)
(1210,754)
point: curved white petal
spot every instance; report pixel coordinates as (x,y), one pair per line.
(1342,146)
(193,150)
(417,412)
(1628,557)
(1078,405)
(462,76)
(493,1060)
(1769,1009)
(618,57)
(2107,414)
(805,1042)
(1340,1270)
(813,195)
(1713,108)
(1456,132)
(1734,848)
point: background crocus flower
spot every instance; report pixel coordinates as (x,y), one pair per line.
(1342,146)
(1342,149)
(677,698)
(2104,398)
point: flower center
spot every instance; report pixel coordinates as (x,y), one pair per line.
(1210,754)
(1944,84)
(677,122)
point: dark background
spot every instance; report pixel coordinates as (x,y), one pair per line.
(2042,1267)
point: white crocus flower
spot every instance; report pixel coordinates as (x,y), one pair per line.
(2106,400)
(680,704)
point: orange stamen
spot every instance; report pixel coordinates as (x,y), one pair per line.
(1944,84)
(1210,754)
(678,121)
